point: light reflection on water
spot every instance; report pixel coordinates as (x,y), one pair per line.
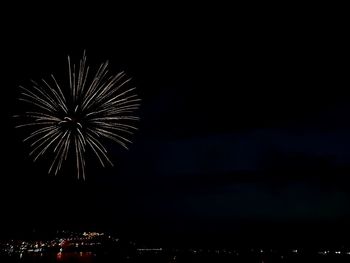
(60,257)
(81,257)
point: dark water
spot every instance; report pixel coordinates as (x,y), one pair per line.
(89,257)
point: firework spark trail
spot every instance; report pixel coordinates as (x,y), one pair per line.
(91,110)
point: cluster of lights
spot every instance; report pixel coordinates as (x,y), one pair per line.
(93,234)
(195,251)
(81,241)
(329,252)
(74,240)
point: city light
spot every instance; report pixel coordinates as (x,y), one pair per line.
(66,241)
(89,244)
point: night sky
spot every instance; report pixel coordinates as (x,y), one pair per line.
(244,135)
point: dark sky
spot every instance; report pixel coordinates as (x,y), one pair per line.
(244,133)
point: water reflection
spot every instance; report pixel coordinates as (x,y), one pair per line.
(81,257)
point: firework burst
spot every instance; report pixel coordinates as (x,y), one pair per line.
(80,117)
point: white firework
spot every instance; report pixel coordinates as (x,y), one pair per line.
(93,109)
